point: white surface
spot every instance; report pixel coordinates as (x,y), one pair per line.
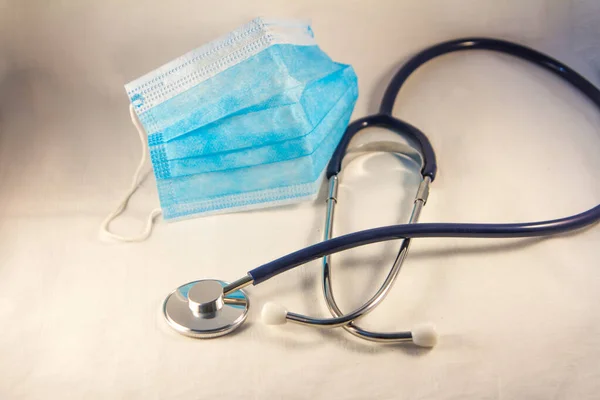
(517,318)
(273,314)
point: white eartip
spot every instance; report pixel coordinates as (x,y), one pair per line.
(273,314)
(425,335)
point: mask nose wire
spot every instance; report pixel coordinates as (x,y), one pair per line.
(135,183)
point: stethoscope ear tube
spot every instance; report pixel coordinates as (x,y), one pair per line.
(393,124)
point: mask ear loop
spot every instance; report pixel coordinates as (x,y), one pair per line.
(104,228)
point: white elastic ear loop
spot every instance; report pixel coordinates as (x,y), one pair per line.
(134,185)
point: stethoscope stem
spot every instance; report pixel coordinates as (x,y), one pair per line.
(422,336)
(238,284)
(341,319)
(393,337)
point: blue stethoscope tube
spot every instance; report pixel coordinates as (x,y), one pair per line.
(436,230)
(388,122)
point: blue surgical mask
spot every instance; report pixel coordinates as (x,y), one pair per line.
(247,121)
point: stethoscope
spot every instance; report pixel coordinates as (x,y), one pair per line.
(210,308)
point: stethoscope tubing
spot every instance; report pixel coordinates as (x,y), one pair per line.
(437,230)
(424,230)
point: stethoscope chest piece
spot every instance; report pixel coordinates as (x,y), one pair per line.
(199,309)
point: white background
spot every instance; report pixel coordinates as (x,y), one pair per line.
(80,318)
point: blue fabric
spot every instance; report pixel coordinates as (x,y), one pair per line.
(334,100)
(266,184)
(274,77)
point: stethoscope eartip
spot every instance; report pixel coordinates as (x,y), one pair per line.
(425,335)
(274,314)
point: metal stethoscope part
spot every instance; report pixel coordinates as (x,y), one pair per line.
(210,308)
(201,309)
(419,203)
(424,335)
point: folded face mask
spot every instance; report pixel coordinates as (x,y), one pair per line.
(247,121)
